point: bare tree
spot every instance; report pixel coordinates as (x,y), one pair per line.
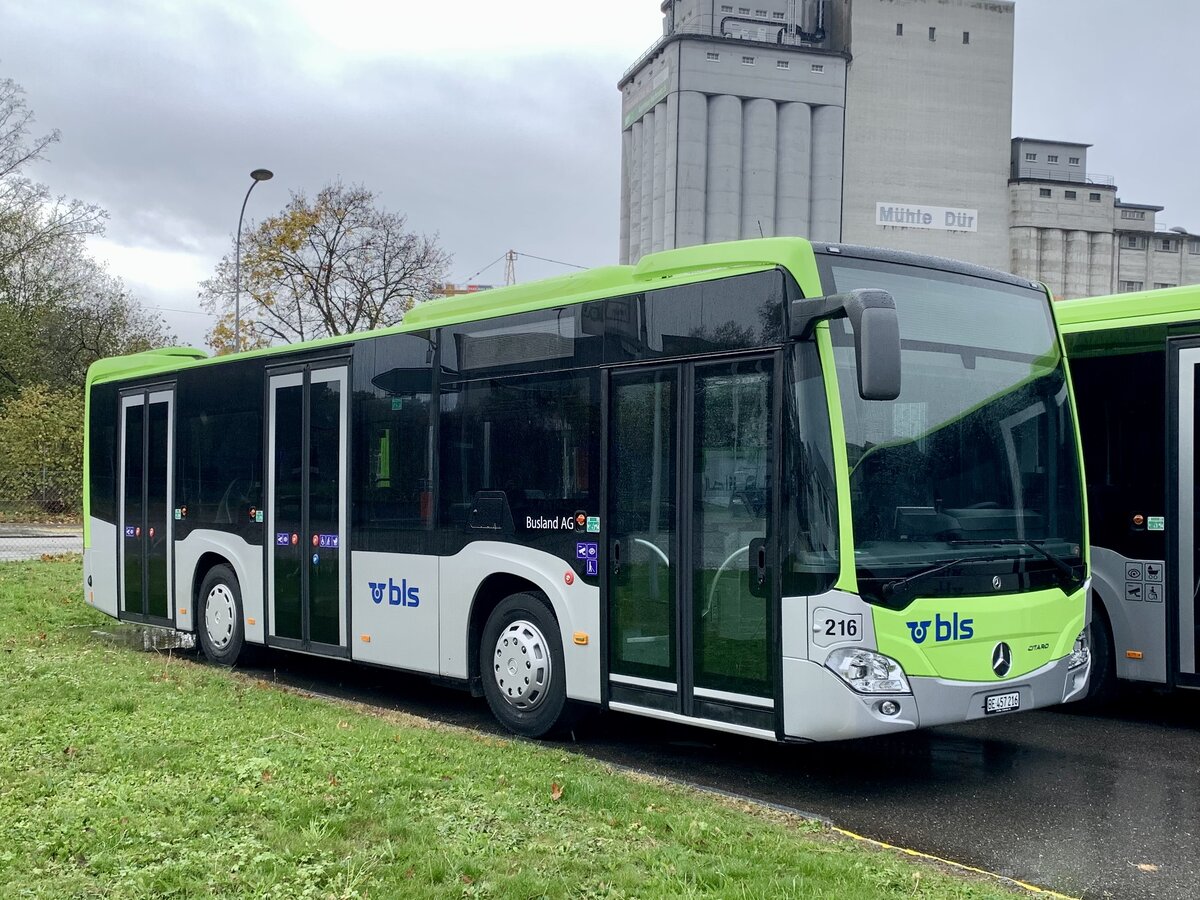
(334,265)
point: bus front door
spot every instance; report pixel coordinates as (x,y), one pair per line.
(147,456)
(691,619)
(1188,513)
(306,509)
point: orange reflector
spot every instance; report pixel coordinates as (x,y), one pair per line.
(581,638)
(366,639)
(92,597)
(1134,654)
(182,611)
(250,622)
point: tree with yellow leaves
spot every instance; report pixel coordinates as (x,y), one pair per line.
(335,264)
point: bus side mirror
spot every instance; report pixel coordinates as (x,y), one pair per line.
(872,315)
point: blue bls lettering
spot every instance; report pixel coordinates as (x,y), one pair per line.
(397,594)
(952,629)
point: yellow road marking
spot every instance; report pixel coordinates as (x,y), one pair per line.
(1033,888)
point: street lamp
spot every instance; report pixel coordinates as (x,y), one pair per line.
(258,175)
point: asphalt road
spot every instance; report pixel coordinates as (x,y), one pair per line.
(1092,805)
(31,541)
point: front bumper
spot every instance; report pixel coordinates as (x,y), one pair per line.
(819,706)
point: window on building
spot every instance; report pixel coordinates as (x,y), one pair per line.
(1138,214)
(1194,248)
(776,15)
(1030,157)
(1072,160)
(1134,242)
(966,37)
(1127,286)
(747,60)
(761,13)
(932,33)
(1044,192)
(818,68)
(1070,195)
(1159,285)
(1052,158)
(899,29)
(726,9)
(1167,245)
(1094,197)
(744,10)
(712,57)
(782,64)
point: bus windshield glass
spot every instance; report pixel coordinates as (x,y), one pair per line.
(967,483)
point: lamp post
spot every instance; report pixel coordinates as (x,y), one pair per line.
(258,175)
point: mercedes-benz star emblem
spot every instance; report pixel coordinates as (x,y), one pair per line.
(1001,659)
(996,582)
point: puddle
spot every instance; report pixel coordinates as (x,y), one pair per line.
(146,638)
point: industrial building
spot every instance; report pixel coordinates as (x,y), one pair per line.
(1070,230)
(870,121)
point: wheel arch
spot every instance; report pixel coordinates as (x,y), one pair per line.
(488,595)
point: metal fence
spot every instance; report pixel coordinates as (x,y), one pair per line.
(40,513)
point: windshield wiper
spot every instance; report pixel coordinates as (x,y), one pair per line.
(1059,562)
(892,588)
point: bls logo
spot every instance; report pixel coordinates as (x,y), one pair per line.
(954,629)
(397,594)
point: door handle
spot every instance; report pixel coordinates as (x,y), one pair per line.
(758,562)
(616,557)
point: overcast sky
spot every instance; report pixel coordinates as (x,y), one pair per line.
(496,127)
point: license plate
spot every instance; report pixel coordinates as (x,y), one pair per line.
(998,703)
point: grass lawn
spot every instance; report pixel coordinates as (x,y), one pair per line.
(129,774)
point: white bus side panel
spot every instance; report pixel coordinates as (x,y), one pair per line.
(1137,625)
(577,607)
(394,600)
(247,562)
(100,565)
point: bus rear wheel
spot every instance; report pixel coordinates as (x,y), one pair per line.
(1102,682)
(219,616)
(522,667)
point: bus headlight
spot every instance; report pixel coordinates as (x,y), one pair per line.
(1080,653)
(868,672)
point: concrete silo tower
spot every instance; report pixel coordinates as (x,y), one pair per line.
(732,126)
(881,122)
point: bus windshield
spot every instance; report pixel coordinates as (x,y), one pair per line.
(968,482)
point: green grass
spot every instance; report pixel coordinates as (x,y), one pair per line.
(127,774)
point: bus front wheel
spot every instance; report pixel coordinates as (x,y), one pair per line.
(521,665)
(219,616)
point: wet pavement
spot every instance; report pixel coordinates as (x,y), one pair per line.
(1088,804)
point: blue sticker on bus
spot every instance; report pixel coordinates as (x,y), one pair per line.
(129,532)
(593,567)
(587,550)
(327,541)
(282,539)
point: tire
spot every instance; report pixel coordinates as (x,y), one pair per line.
(219,621)
(1102,684)
(522,667)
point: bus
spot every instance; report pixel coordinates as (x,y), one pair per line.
(1134,360)
(797,491)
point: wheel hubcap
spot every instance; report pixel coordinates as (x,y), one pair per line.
(220,616)
(521,665)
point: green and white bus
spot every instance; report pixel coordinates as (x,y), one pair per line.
(1135,359)
(789,490)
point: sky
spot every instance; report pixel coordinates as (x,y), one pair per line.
(497,127)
